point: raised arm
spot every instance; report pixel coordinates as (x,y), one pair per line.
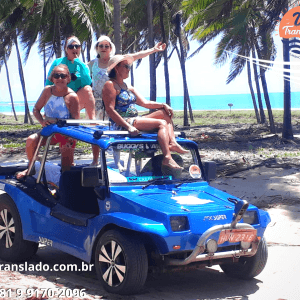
(141,54)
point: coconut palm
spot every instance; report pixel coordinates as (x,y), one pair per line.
(4,55)
(117,26)
(241,26)
(9,35)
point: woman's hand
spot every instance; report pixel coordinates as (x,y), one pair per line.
(47,121)
(133,131)
(168,110)
(160,47)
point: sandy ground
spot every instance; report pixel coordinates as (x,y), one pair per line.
(269,179)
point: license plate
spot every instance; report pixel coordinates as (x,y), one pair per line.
(237,235)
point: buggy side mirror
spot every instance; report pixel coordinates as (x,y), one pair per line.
(210,170)
(90,177)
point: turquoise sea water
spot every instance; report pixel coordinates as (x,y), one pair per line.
(203,102)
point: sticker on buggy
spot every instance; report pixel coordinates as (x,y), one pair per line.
(137,146)
(146,178)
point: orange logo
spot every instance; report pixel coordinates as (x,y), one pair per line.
(289,26)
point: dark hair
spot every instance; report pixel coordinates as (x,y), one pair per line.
(112,73)
(61,66)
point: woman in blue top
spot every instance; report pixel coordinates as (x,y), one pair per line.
(120,100)
(80,75)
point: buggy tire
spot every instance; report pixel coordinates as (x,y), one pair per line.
(121,262)
(12,245)
(248,267)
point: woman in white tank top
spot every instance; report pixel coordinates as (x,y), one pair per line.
(59,102)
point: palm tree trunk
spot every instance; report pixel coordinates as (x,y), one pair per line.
(267,100)
(21,74)
(261,109)
(56,37)
(9,87)
(165,54)
(252,92)
(186,97)
(287,130)
(117,26)
(83,47)
(45,63)
(88,49)
(186,102)
(152,68)
(266,93)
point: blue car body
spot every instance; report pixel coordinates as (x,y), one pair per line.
(144,211)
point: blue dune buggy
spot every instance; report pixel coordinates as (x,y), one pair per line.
(128,215)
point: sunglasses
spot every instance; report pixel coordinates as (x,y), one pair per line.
(103,46)
(74,46)
(60,75)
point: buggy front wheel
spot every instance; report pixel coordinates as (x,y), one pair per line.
(121,262)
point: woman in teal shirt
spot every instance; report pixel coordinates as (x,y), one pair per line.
(80,74)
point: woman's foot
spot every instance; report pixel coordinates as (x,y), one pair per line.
(170,163)
(171,168)
(177,148)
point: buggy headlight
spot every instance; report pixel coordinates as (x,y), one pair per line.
(179,223)
(250,217)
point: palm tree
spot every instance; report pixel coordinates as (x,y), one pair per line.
(240,23)
(252,92)
(152,68)
(12,23)
(117,26)
(182,57)
(4,55)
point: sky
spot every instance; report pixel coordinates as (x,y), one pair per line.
(203,77)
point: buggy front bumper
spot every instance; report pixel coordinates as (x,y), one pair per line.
(198,254)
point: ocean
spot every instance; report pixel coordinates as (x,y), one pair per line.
(202,102)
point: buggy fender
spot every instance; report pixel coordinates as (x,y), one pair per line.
(136,223)
(265,218)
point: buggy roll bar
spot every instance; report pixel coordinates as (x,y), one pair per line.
(99,133)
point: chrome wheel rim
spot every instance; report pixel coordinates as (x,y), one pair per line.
(112,263)
(7,228)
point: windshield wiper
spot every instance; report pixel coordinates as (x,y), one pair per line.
(155,181)
(185,181)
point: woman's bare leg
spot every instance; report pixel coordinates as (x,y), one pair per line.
(173,145)
(31,145)
(67,157)
(87,101)
(146,124)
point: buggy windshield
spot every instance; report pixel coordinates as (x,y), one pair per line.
(140,163)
